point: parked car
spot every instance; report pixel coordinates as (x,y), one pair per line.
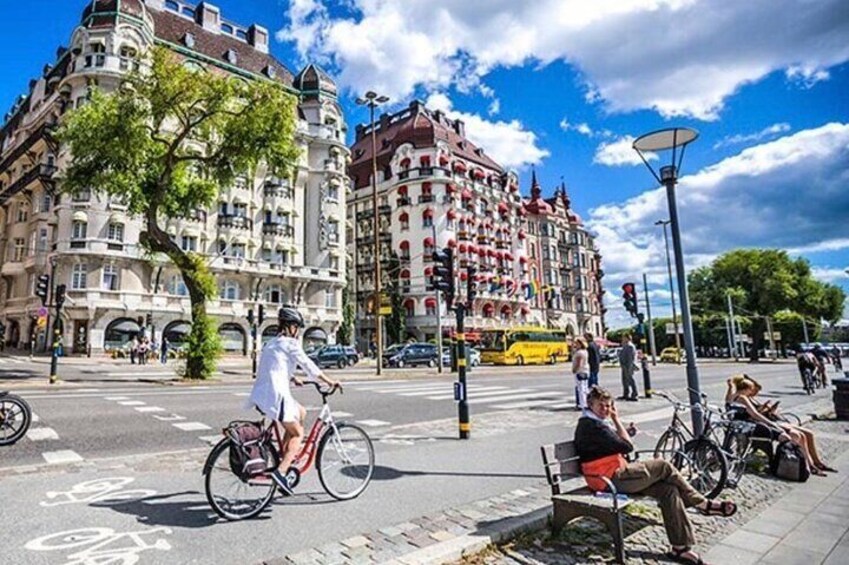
(335,356)
(472,354)
(390,351)
(672,354)
(414,354)
(610,355)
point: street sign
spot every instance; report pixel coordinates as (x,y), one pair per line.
(42,312)
(670,328)
(41,323)
(776,336)
(386,310)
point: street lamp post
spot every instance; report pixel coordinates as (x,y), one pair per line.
(664,223)
(372,100)
(676,139)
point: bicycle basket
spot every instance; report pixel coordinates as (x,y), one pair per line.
(251,453)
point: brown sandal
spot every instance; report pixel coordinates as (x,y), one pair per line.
(725,508)
(678,554)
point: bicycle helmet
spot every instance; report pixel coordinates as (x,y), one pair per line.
(289,316)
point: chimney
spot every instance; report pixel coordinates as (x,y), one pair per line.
(155,4)
(384,121)
(258,37)
(460,128)
(208,16)
(359,131)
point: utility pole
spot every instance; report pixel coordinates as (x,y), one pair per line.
(805,330)
(771,339)
(731,318)
(59,298)
(730,339)
(651,325)
(438,317)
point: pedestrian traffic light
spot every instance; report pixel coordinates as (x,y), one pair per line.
(443,273)
(260,315)
(148,319)
(41,288)
(251,316)
(471,286)
(629,296)
(60,296)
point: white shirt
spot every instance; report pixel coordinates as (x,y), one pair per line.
(277,363)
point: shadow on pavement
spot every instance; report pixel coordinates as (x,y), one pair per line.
(158,510)
(383,473)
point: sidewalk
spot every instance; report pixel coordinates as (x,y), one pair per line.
(809,526)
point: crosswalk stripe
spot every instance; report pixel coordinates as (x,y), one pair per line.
(342,414)
(373,423)
(408,385)
(116,398)
(433,387)
(212,440)
(191,426)
(61,456)
(451,388)
(132,403)
(146,409)
(527,404)
(36,417)
(42,434)
(492,399)
(484,394)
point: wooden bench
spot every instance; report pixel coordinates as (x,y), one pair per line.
(562,465)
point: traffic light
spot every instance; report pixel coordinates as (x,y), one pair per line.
(471,286)
(629,296)
(443,273)
(42,288)
(148,320)
(251,316)
(60,296)
(260,315)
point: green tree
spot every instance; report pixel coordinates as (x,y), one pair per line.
(763,282)
(345,333)
(397,321)
(166,141)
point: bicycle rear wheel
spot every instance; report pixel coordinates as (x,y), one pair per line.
(345,461)
(736,447)
(706,468)
(229,496)
(15,418)
(670,446)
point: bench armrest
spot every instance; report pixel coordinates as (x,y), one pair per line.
(611,487)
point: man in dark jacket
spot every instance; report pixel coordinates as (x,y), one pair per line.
(600,445)
(594,358)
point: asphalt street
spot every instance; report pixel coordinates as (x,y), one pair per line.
(144,443)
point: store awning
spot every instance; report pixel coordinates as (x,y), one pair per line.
(80,216)
(428,242)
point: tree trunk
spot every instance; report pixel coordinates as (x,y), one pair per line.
(758,328)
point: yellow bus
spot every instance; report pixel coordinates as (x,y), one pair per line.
(524,346)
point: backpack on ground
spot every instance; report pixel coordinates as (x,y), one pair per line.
(789,463)
(249,449)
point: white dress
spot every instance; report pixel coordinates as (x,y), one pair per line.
(277,363)
(580,368)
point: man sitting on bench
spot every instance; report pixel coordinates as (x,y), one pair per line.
(600,445)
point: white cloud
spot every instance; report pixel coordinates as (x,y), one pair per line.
(679,57)
(830,275)
(770,131)
(508,143)
(619,152)
(583,128)
(494,107)
(788,193)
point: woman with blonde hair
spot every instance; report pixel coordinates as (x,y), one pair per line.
(740,398)
(581,371)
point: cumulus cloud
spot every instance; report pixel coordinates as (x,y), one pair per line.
(679,57)
(508,143)
(620,152)
(830,275)
(788,193)
(583,128)
(770,131)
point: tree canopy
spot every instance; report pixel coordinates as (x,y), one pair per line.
(165,141)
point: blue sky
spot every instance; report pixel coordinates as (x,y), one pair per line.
(562,85)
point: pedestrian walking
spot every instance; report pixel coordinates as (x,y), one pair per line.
(628,366)
(594,355)
(581,372)
(163,351)
(134,349)
(143,347)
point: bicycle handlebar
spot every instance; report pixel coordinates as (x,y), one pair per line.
(325,391)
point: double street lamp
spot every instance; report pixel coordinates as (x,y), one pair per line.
(665,223)
(675,140)
(373,100)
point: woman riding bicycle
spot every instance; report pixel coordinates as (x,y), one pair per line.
(271,393)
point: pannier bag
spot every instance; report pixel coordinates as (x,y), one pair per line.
(249,449)
(789,463)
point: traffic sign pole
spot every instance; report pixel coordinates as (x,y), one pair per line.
(463,405)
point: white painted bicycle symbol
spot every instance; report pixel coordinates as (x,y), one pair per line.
(109,490)
(106,546)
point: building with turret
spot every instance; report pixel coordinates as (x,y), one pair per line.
(268,240)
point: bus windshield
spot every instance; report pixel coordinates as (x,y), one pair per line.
(492,340)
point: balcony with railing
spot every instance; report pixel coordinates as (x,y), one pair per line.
(276,228)
(39,173)
(235,222)
(426,198)
(403,201)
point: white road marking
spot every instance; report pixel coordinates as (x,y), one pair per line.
(380,386)
(342,414)
(659,414)
(88,390)
(451,388)
(171,418)
(61,456)
(373,423)
(527,404)
(484,394)
(141,374)
(212,440)
(191,426)
(36,417)
(146,409)
(42,434)
(241,394)
(507,397)
(116,398)
(132,403)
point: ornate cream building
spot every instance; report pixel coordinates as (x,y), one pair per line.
(437,189)
(268,240)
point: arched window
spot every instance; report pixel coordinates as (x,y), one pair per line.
(506,313)
(230,290)
(427,218)
(488,309)
(405,280)
(430,306)
(410,307)
(428,246)
(273,294)
(128,58)
(404,220)
(176,286)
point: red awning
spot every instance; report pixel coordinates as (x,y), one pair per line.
(463,275)
(424,160)
(426,187)
(488,307)
(522,234)
(404,217)
(514,187)
(491,253)
(430,302)
(466,194)
(428,271)
(450,187)
(452,214)
(502,207)
(499,254)
(508,256)
(522,211)
(482,252)
(405,274)
(451,243)
(523,259)
(459,166)
(473,249)
(428,242)
(405,162)
(427,213)
(405,244)
(463,247)
(526,310)
(443,160)
(506,309)
(402,190)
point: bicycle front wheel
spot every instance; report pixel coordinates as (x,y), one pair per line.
(706,468)
(345,461)
(15,418)
(229,496)
(736,447)
(670,446)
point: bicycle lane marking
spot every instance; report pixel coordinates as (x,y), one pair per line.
(104,544)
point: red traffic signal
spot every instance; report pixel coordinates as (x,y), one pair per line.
(628,288)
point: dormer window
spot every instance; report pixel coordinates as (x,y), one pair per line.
(189,40)
(231,56)
(227,28)
(270,72)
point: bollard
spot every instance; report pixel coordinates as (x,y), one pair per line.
(840,396)
(644,362)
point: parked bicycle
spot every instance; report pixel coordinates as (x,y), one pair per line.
(700,459)
(15,418)
(343,454)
